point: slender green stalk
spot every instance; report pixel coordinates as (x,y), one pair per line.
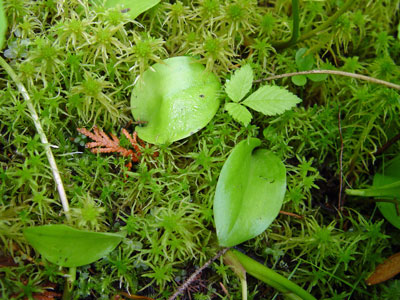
(295,30)
(381,191)
(42,135)
(333,72)
(243,281)
(69,284)
(270,277)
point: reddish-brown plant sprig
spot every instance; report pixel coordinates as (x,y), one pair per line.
(106,144)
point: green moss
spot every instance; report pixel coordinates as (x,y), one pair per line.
(79,63)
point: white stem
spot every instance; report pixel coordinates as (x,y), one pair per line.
(42,135)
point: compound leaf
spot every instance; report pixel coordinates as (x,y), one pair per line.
(69,247)
(271,100)
(249,193)
(240,83)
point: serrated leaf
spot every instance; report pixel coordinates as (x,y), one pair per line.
(299,80)
(131,7)
(175,98)
(249,193)
(271,100)
(3,24)
(240,83)
(239,113)
(69,247)
(304,62)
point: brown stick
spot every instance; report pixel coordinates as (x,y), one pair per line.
(193,277)
(340,163)
(333,72)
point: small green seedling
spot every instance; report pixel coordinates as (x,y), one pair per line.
(305,62)
(269,100)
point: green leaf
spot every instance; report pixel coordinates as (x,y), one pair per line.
(69,247)
(304,62)
(391,177)
(3,24)
(176,98)
(239,113)
(240,83)
(299,80)
(132,7)
(270,277)
(271,100)
(249,193)
(317,77)
(386,186)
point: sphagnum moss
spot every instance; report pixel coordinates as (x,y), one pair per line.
(81,60)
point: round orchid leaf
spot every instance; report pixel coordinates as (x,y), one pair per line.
(131,7)
(249,193)
(174,99)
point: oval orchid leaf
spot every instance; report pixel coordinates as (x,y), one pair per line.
(132,7)
(3,24)
(174,99)
(249,193)
(69,247)
(389,177)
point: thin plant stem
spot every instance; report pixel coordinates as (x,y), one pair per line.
(42,135)
(340,162)
(243,282)
(270,277)
(193,277)
(295,29)
(333,72)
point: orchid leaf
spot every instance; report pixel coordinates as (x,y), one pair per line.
(131,7)
(69,247)
(174,99)
(249,193)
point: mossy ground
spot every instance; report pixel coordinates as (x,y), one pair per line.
(79,64)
